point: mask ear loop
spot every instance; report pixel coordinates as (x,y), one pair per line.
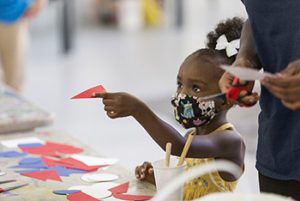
(222,101)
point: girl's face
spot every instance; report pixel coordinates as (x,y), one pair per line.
(198,78)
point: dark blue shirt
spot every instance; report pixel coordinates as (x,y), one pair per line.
(276,31)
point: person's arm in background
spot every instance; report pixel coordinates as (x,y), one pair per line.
(286,85)
(35,8)
(246,57)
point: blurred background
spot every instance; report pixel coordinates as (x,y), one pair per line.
(135,46)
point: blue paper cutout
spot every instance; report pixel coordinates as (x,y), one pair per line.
(65,192)
(30,145)
(66,172)
(12,154)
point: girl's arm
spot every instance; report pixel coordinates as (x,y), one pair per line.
(224,144)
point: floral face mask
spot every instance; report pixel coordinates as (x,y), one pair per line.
(191,112)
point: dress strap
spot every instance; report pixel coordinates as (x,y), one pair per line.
(225,127)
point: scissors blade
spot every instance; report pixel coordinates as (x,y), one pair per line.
(15,187)
(221,96)
(7,181)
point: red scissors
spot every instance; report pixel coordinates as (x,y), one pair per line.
(233,94)
(10,188)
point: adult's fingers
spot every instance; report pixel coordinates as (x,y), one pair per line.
(289,94)
(250,99)
(292,105)
(226,82)
(282,82)
(292,69)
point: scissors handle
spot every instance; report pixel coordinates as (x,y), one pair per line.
(234,92)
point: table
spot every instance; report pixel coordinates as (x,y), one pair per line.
(19,114)
(42,191)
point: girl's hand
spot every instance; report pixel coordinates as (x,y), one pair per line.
(227,79)
(35,8)
(145,172)
(119,104)
(286,85)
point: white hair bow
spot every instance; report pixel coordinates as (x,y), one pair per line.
(231,47)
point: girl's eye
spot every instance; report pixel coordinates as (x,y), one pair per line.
(179,85)
(196,89)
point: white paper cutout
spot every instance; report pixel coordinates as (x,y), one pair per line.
(244,73)
(100,177)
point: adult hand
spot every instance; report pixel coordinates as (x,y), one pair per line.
(226,80)
(286,85)
(35,8)
(119,104)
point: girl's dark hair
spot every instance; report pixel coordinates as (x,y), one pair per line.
(232,29)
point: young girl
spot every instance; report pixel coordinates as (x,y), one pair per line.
(215,138)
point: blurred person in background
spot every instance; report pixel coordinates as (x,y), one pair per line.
(14,16)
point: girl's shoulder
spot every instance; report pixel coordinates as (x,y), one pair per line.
(226,135)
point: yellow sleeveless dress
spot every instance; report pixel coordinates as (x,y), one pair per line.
(208,183)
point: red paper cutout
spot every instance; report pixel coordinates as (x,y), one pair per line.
(43,175)
(64,148)
(132,197)
(118,192)
(89,92)
(80,165)
(123,188)
(80,196)
(41,150)
(52,149)
(50,162)
(71,163)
